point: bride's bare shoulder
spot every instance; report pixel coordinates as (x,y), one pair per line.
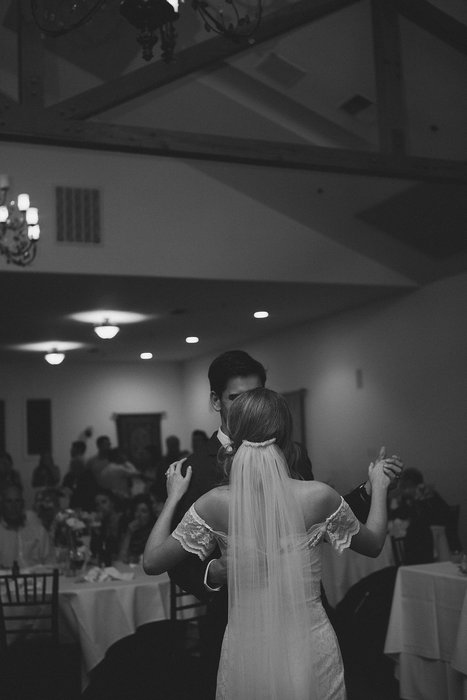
(320,498)
(213,505)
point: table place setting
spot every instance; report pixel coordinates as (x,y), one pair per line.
(97,574)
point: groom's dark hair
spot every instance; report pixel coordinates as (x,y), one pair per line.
(233,363)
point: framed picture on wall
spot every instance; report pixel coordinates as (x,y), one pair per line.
(136,432)
(296,403)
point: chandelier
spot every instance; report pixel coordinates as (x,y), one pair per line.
(235,19)
(19,226)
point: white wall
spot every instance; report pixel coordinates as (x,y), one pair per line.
(412,353)
(180,217)
(87,395)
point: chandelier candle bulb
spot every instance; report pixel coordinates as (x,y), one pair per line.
(3,214)
(23,202)
(32,216)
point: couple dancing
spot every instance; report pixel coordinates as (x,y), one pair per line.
(279,642)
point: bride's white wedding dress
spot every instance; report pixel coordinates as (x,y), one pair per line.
(303,666)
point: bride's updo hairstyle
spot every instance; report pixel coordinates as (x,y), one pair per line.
(259,415)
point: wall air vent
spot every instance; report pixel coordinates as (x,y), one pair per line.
(280,71)
(78,215)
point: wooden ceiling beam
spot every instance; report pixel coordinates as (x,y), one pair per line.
(187,61)
(390,97)
(270,154)
(30,60)
(435,21)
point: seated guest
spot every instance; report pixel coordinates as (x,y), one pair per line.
(8,475)
(46,474)
(22,536)
(413,508)
(138,530)
(46,506)
(106,532)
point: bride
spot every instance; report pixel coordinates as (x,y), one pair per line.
(279,643)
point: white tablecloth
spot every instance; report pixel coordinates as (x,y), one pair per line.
(99,614)
(341,571)
(427,632)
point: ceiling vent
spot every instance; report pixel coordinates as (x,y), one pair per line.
(280,71)
(78,215)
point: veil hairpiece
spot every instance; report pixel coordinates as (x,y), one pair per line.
(266,443)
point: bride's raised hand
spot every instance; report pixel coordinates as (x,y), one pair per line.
(177,484)
(378,474)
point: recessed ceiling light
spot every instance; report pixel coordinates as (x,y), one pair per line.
(146,355)
(261,314)
(192,339)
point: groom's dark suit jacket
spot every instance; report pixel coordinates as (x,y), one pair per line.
(189,575)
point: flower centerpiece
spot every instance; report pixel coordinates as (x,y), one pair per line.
(71,537)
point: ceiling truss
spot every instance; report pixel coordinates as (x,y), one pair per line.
(65,123)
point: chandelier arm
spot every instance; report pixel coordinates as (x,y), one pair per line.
(61,32)
(212,23)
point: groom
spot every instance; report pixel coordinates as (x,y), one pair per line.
(230,374)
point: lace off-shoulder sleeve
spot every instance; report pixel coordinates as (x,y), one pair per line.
(195,535)
(341,526)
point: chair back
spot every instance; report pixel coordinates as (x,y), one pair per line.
(28,606)
(184,606)
(186,613)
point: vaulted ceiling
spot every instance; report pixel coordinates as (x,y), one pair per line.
(353,113)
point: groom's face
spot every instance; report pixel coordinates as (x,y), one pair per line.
(234,387)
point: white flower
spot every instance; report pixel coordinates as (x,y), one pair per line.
(75,524)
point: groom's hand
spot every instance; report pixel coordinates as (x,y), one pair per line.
(217,574)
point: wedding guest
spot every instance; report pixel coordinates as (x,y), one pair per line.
(75,469)
(413,508)
(46,506)
(22,537)
(138,530)
(119,474)
(107,528)
(8,475)
(46,474)
(97,463)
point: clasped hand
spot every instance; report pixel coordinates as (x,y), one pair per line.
(385,470)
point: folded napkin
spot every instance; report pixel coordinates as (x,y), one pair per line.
(109,573)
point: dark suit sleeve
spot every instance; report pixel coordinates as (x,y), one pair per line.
(189,574)
(359,503)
